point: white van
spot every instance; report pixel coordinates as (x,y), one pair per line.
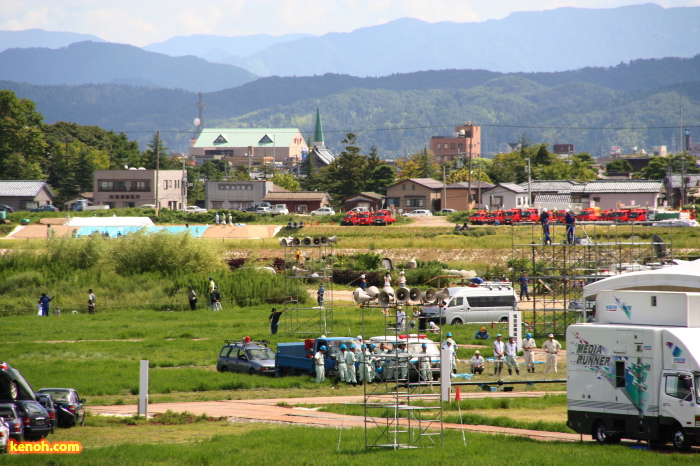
(488,302)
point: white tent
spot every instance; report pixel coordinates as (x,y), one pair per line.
(684,277)
(110,222)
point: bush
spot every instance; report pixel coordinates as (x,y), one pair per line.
(368,260)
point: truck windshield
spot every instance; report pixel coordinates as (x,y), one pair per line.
(697,388)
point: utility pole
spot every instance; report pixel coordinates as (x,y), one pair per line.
(529,184)
(469,188)
(184,186)
(157,203)
(444,188)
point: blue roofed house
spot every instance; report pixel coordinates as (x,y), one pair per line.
(280,147)
(25,195)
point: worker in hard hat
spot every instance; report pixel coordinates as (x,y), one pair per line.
(529,346)
(482,334)
(341,363)
(320,364)
(351,374)
(544,221)
(424,363)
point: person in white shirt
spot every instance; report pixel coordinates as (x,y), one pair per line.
(498,354)
(477,363)
(400,318)
(387,279)
(529,346)
(320,364)
(402,279)
(424,363)
(351,377)
(433,327)
(551,347)
(341,363)
(450,345)
(511,352)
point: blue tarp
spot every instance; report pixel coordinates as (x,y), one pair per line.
(197,231)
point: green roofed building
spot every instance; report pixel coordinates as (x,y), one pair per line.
(282,147)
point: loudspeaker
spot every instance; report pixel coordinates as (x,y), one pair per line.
(285,242)
(360,296)
(415,294)
(296,242)
(430,296)
(317,241)
(298,271)
(389,290)
(307,242)
(384,299)
(325,240)
(402,295)
(372,291)
(443,294)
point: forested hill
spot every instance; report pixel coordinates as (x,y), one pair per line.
(399,113)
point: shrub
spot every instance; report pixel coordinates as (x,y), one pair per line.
(368,261)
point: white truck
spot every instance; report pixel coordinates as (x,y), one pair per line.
(635,372)
(83,204)
(279,209)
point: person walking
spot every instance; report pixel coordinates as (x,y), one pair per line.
(477,363)
(44,301)
(544,220)
(499,349)
(320,364)
(341,364)
(319,295)
(230,219)
(216,218)
(192,296)
(274,320)
(91,302)
(551,347)
(215,299)
(570,221)
(351,377)
(511,353)
(529,346)
(524,286)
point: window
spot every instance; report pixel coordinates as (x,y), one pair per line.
(620,374)
(416,202)
(519,200)
(393,201)
(491,301)
(653,300)
(413,187)
(438,146)
(112,186)
(224,351)
(456,302)
(403,187)
(679,386)
(496,200)
(217,204)
(142,186)
(453,146)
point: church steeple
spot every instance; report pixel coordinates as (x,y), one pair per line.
(318,133)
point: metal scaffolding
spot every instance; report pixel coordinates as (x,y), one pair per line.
(308,263)
(559,271)
(402,409)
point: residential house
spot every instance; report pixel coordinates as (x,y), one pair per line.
(236,195)
(458,194)
(415,193)
(25,195)
(136,187)
(506,196)
(255,147)
(370,201)
(606,194)
(301,202)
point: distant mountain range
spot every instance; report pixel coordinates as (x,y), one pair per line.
(635,104)
(544,41)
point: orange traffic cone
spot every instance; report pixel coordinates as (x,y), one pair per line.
(458,395)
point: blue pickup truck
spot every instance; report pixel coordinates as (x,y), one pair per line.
(297,358)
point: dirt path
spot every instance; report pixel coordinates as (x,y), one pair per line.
(286,411)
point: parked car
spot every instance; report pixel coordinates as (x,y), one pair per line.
(35,418)
(13,386)
(4,435)
(70,410)
(149,206)
(262,210)
(349,219)
(496,217)
(10,414)
(195,209)
(45,208)
(255,206)
(357,210)
(47,402)
(323,211)
(480,217)
(6,208)
(279,209)
(383,217)
(418,213)
(250,357)
(364,218)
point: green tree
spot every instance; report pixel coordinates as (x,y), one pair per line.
(286,181)
(618,166)
(347,174)
(22,143)
(462,175)
(240,173)
(380,175)
(656,170)
(508,168)
(420,165)
(211,171)
(157,155)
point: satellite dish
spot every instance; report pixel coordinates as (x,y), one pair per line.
(197,122)
(657,243)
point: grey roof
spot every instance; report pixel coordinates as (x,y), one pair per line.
(324,154)
(593,187)
(427,182)
(475,185)
(692,180)
(14,188)
(366,194)
(552,199)
(511,187)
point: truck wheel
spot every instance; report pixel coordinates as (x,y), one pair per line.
(456,322)
(680,439)
(599,433)
(503,320)
(289,372)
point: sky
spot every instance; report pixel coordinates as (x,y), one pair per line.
(143,22)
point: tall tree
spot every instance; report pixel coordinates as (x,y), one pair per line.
(508,168)
(157,155)
(22,143)
(286,181)
(420,165)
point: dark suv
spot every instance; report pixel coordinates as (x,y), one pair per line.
(37,423)
(10,414)
(252,357)
(69,406)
